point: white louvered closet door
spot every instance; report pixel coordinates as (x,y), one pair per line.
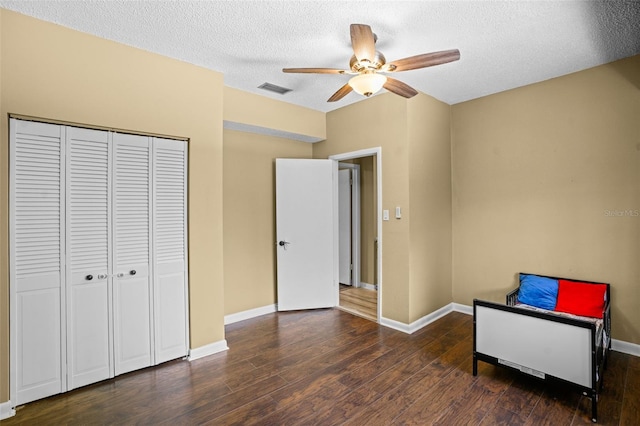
(131,252)
(88,257)
(170,248)
(36,260)
(98,256)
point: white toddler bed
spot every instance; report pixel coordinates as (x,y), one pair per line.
(544,343)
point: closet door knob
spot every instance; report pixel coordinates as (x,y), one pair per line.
(132,272)
(89,277)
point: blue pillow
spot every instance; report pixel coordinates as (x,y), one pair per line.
(538,291)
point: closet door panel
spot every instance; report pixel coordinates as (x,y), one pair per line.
(36,268)
(132,232)
(37,334)
(170,248)
(88,281)
(90,334)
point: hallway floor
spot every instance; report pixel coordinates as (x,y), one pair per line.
(359,301)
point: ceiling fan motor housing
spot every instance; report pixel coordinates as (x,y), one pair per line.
(365,65)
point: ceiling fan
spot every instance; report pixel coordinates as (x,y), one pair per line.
(369,66)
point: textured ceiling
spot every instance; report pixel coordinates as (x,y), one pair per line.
(503,45)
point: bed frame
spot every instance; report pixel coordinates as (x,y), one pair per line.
(544,345)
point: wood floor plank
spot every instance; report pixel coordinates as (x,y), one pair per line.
(500,416)
(318,392)
(615,373)
(395,401)
(206,410)
(522,396)
(557,406)
(249,414)
(433,403)
(630,414)
(327,367)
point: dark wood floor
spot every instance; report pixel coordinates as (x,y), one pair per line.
(329,367)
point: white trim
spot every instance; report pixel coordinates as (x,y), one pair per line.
(429,318)
(6,410)
(464,309)
(367,286)
(367,153)
(206,350)
(625,347)
(420,323)
(396,325)
(248,314)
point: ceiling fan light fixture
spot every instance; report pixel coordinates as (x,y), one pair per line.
(368,83)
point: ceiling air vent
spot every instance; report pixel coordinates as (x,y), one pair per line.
(274,88)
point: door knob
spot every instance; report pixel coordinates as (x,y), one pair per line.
(132,272)
(89,277)
(284,244)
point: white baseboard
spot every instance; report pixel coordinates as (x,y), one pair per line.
(6,410)
(418,324)
(367,286)
(465,309)
(206,350)
(396,325)
(251,313)
(625,347)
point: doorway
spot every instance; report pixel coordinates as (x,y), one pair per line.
(360,286)
(349,224)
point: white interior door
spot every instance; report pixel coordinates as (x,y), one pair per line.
(170,253)
(131,252)
(306,229)
(89,332)
(344,223)
(36,271)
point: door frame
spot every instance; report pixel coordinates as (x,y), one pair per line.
(355,221)
(368,152)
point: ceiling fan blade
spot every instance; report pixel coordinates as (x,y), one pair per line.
(314,70)
(341,93)
(363,42)
(400,88)
(424,60)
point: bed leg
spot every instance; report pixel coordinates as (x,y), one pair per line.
(475,365)
(594,407)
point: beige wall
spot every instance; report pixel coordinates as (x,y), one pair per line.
(430,192)
(380,122)
(535,172)
(412,285)
(248,108)
(249,216)
(55,73)
(249,192)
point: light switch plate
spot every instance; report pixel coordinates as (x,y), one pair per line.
(385,214)
(398,213)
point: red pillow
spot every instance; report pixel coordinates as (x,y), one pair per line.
(581,298)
